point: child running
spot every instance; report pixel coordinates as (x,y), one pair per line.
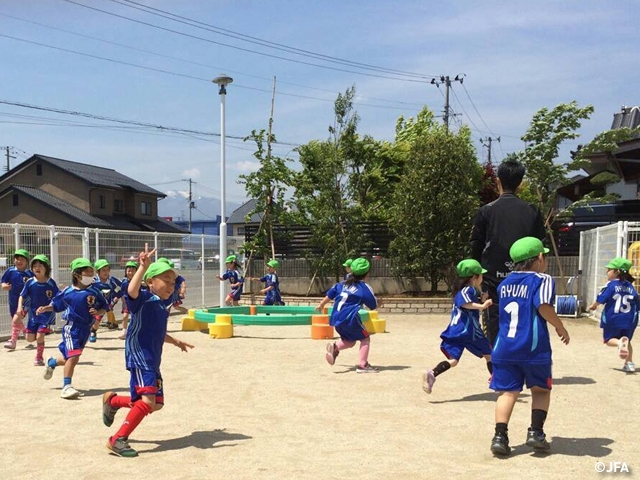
(38,292)
(109,286)
(349,297)
(619,318)
(522,352)
(464,330)
(81,303)
(272,285)
(143,352)
(130,269)
(14,280)
(236,281)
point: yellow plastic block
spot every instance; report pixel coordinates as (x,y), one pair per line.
(220,330)
(321,331)
(379,325)
(320,319)
(192,325)
(223,318)
(373,314)
(192,313)
(368,324)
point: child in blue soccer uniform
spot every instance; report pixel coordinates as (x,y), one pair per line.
(619,318)
(522,351)
(143,351)
(130,269)
(350,295)
(38,292)
(272,285)
(13,280)
(236,281)
(464,329)
(80,303)
(109,286)
(347,267)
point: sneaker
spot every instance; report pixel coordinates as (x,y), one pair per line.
(29,346)
(38,362)
(368,368)
(93,337)
(108,412)
(10,345)
(537,440)
(629,367)
(428,379)
(500,444)
(121,448)
(48,371)
(623,347)
(69,393)
(332,353)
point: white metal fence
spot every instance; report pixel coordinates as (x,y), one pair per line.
(62,244)
(597,248)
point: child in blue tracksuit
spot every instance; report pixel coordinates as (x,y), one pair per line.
(13,280)
(38,292)
(522,350)
(619,318)
(272,285)
(236,281)
(80,303)
(143,350)
(464,331)
(349,296)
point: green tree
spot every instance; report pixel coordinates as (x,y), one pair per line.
(433,210)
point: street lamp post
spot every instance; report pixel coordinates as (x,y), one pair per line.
(222,81)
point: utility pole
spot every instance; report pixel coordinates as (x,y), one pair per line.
(488,145)
(447,83)
(192,204)
(9,157)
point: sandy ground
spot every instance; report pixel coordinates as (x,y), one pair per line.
(265,405)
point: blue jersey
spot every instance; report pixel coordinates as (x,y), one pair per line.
(234,276)
(35,295)
(110,289)
(75,304)
(523,335)
(273,296)
(147,331)
(17,279)
(348,301)
(465,323)
(620,302)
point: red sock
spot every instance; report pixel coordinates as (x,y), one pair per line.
(120,401)
(40,350)
(15,331)
(135,416)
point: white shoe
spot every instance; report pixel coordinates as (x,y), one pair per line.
(69,393)
(428,379)
(48,371)
(629,367)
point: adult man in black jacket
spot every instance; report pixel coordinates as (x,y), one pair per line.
(496,227)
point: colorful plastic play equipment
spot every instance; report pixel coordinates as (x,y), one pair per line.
(220,320)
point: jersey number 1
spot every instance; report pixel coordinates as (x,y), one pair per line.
(512,309)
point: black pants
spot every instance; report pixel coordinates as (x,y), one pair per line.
(490,315)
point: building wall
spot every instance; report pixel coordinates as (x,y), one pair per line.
(108,196)
(626,190)
(135,209)
(31,212)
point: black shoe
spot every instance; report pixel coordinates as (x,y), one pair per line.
(537,440)
(500,444)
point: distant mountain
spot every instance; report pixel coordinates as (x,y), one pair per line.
(176,205)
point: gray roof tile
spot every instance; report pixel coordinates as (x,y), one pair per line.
(239,215)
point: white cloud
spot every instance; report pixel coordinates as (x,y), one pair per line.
(192,173)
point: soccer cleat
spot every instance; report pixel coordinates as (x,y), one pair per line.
(10,345)
(500,444)
(121,448)
(623,347)
(48,371)
(93,337)
(428,379)
(108,412)
(537,440)
(368,368)
(332,353)
(629,367)
(69,393)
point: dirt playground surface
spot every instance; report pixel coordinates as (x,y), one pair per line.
(266,405)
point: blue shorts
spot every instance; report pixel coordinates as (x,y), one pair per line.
(352,331)
(34,326)
(613,332)
(478,347)
(235,294)
(145,382)
(73,341)
(510,377)
(272,300)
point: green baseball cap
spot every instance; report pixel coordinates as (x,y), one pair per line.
(347,262)
(360,266)
(469,267)
(167,261)
(230,259)
(620,263)
(22,253)
(41,258)
(157,268)
(131,263)
(80,263)
(526,248)
(273,263)
(100,263)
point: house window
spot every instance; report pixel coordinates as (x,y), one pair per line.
(145,208)
(38,170)
(103,202)
(240,230)
(117,205)
(15,199)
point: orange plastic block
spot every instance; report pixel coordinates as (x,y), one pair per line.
(320,331)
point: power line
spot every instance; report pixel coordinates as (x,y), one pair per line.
(474,107)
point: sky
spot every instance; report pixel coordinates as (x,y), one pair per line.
(132,61)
